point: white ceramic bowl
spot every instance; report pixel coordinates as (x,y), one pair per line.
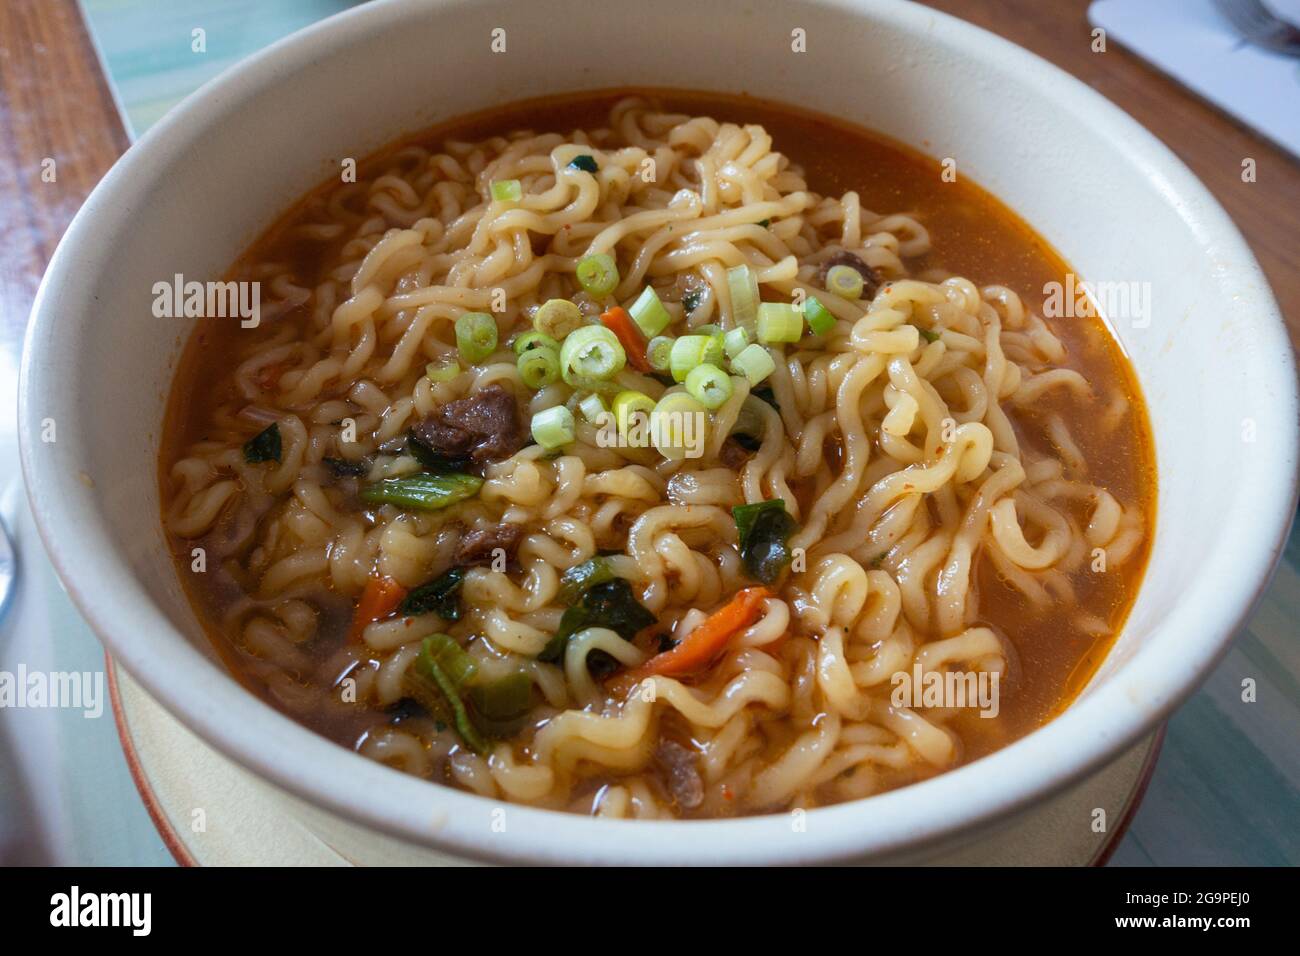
(1215,364)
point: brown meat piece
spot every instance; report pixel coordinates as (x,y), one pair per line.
(479,547)
(681,774)
(485,426)
(732,454)
(870,281)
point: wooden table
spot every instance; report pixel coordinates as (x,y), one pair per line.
(55,104)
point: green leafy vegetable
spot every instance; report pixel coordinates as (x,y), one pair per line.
(441,596)
(423,492)
(608,604)
(500,706)
(432,686)
(578,578)
(430,458)
(691,300)
(586,163)
(344,468)
(765,529)
(928,335)
(264,446)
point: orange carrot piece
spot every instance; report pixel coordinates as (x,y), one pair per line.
(698,649)
(380,599)
(629,336)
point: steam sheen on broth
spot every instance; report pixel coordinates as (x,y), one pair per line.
(424,546)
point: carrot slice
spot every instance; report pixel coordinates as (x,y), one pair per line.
(698,649)
(380,599)
(629,336)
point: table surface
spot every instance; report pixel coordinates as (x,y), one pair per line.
(1225,790)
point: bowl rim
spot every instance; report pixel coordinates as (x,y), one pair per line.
(320,772)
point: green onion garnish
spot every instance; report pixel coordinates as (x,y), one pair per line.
(820,320)
(709,385)
(742,283)
(734,342)
(557,318)
(779,322)
(538,366)
(668,428)
(476,336)
(532,340)
(844,281)
(585,163)
(633,408)
(553,427)
(754,363)
(659,352)
(649,313)
(688,351)
(592,408)
(591,352)
(598,274)
(443,371)
(507,190)
(929,335)
(423,492)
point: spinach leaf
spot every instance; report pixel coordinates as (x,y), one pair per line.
(608,604)
(441,596)
(264,446)
(584,162)
(343,468)
(578,578)
(765,529)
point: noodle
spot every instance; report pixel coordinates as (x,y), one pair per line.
(896,445)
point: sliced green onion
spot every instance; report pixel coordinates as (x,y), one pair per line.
(423,492)
(539,366)
(742,283)
(443,371)
(649,313)
(553,427)
(476,336)
(507,190)
(715,351)
(629,404)
(557,318)
(429,684)
(779,322)
(501,706)
(585,163)
(754,363)
(532,340)
(688,352)
(598,274)
(709,385)
(591,352)
(819,317)
(592,408)
(451,657)
(712,328)
(671,434)
(659,352)
(734,342)
(844,281)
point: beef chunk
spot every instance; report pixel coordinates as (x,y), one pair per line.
(483,427)
(681,774)
(479,547)
(870,281)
